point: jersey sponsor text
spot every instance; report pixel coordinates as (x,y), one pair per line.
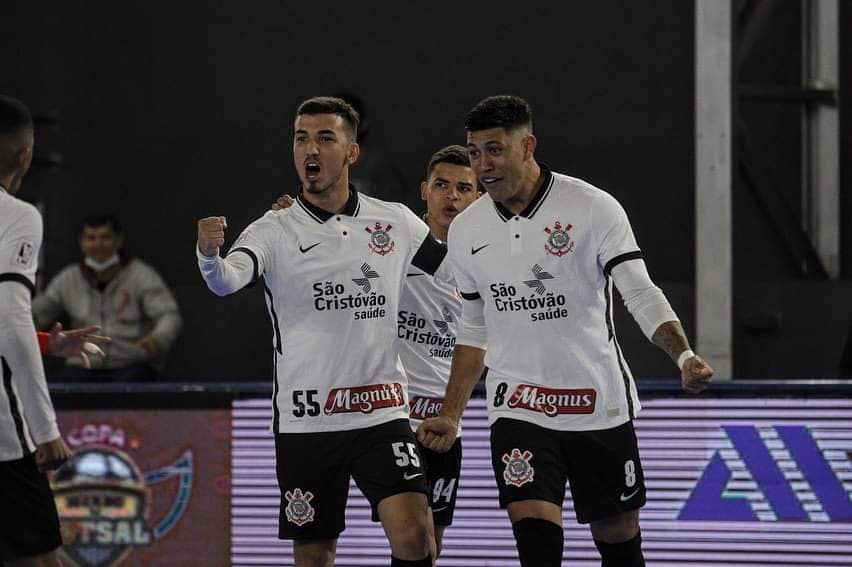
(553,401)
(412,328)
(364,399)
(548,306)
(330,296)
(424,408)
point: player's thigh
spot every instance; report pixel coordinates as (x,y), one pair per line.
(528,462)
(442,475)
(313,476)
(27,512)
(388,462)
(606,475)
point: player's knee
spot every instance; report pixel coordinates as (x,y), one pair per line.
(624,554)
(539,542)
(411,540)
(439,540)
(616,529)
(314,553)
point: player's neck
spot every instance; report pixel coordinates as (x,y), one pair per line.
(436,229)
(6,183)
(530,184)
(333,199)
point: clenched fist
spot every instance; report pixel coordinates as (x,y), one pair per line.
(438,433)
(211,235)
(696,374)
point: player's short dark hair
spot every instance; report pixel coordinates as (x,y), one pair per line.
(15,118)
(502,111)
(96,220)
(455,154)
(332,105)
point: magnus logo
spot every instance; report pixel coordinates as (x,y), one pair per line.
(786,494)
(553,401)
(364,399)
(424,408)
(537,284)
(364,282)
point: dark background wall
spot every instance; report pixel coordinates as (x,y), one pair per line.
(174,111)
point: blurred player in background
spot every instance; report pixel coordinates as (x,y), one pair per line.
(30,442)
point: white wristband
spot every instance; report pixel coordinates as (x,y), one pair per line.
(683,357)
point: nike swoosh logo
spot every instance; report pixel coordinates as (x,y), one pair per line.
(441,509)
(407,476)
(303,250)
(475,250)
(625,498)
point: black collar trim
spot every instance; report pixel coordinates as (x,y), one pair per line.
(351,209)
(535,204)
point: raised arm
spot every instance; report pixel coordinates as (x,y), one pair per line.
(223,275)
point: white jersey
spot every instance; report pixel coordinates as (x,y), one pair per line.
(27,418)
(332,286)
(544,277)
(429,311)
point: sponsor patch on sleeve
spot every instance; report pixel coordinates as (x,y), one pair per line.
(24,254)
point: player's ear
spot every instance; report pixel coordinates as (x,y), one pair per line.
(530,143)
(354,153)
(423,188)
(25,157)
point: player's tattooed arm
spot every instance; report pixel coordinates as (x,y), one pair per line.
(695,373)
(670,337)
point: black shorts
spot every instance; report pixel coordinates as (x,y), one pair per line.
(314,470)
(442,473)
(442,479)
(602,467)
(29,524)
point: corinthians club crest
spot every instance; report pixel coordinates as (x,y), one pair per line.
(518,470)
(559,242)
(380,242)
(299,510)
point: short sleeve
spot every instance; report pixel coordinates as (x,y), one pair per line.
(616,242)
(460,264)
(19,248)
(427,252)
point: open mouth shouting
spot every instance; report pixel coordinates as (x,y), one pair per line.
(312,170)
